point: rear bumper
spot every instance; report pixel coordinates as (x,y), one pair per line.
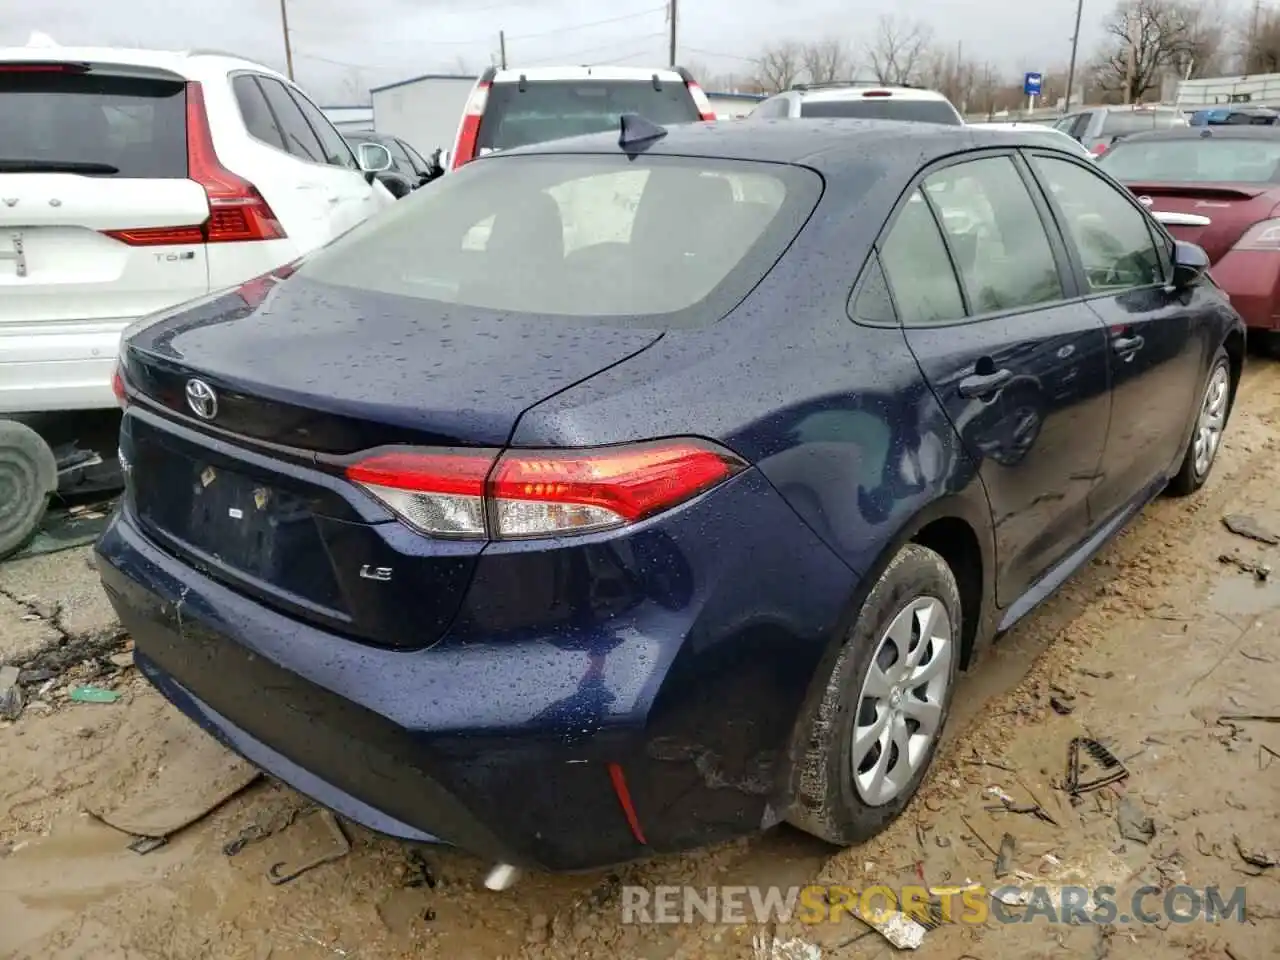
(63,365)
(502,742)
(1252,279)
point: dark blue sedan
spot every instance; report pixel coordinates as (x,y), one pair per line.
(623,494)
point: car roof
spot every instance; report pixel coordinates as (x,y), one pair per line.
(603,72)
(1224,132)
(190,64)
(856,90)
(818,143)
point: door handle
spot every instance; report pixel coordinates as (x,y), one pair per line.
(1127,345)
(984,385)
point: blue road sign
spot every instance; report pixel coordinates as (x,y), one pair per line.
(1031,84)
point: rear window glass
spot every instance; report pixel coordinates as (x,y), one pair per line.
(589,236)
(1119,123)
(137,126)
(549,110)
(1227,160)
(884,108)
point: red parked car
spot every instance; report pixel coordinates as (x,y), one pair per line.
(1217,187)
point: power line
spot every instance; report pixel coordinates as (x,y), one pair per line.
(488,40)
(726,56)
(591,51)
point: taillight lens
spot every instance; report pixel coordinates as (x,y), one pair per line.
(238,213)
(1098,149)
(705,110)
(117,385)
(472,494)
(469,133)
(1264,235)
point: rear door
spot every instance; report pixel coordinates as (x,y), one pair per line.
(89,156)
(518,113)
(1018,363)
(321,175)
(1124,265)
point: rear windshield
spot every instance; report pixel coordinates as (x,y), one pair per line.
(581,236)
(884,108)
(549,110)
(138,126)
(1119,123)
(1224,160)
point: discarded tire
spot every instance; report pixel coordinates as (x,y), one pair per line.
(28,478)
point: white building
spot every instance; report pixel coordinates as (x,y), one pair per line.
(1260,89)
(350,119)
(422,111)
(733,106)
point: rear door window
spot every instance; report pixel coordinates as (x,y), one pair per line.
(884,108)
(257,116)
(996,235)
(549,110)
(915,262)
(336,151)
(136,125)
(299,139)
(654,242)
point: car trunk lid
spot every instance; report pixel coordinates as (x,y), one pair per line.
(321,374)
(1213,216)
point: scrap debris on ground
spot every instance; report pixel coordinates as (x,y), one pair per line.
(1125,736)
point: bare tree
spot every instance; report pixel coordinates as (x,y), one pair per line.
(1145,38)
(1260,44)
(826,61)
(780,66)
(898,50)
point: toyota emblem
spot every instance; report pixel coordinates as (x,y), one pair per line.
(202,400)
(1145,201)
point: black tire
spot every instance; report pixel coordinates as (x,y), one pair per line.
(1189,478)
(826,802)
(28,478)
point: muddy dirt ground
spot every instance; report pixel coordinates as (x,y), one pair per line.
(1145,651)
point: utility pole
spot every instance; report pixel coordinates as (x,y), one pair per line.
(1075,46)
(502,49)
(1131,65)
(672,13)
(288,47)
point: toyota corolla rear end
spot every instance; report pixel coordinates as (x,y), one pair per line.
(331,557)
(1217,187)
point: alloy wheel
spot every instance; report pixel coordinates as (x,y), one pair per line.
(902,700)
(1212,420)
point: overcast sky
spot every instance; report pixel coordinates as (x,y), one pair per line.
(342,47)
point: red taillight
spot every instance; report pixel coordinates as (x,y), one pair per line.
(237,211)
(878,93)
(469,133)
(705,111)
(42,68)
(117,386)
(254,292)
(540,493)
(1098,149)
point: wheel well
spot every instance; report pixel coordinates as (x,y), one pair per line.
(957,544)
(1234,346)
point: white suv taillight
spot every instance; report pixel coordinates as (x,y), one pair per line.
(238,213)
(474,494)
(469,133)
(705,110)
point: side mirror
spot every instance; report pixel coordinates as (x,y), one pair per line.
(374,157)
(1189,264)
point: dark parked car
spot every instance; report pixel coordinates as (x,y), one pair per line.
(1218,187)
(666,497)
(408,170)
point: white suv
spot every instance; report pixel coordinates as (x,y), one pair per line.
(858,99)
(132,180)
(517,107)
